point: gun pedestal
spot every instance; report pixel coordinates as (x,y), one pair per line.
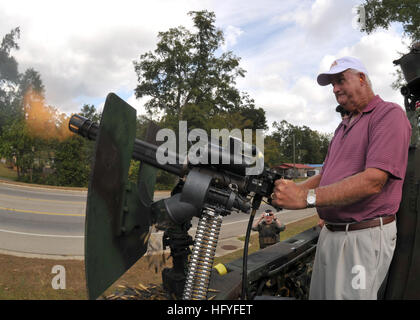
(179,241)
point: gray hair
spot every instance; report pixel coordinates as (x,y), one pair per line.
(367,77)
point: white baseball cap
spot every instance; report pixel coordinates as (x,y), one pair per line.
(341,65)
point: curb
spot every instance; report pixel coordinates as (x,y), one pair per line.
(40,256)
(41,186)
(46,186)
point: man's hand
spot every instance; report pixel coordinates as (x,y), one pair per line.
(288,195)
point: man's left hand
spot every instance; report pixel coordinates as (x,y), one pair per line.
(288,195)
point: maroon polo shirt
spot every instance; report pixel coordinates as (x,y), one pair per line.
(378,138)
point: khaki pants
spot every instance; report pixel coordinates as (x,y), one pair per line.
(352,264)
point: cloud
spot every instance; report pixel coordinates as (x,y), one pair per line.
(303,103)
(282,79)
(240,12)
(86,48)
(325,19)
(231,35)
(137,104)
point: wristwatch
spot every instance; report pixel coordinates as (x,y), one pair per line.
(311,199)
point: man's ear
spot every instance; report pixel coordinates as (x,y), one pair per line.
(362,78)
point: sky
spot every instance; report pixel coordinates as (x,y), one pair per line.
(85,49)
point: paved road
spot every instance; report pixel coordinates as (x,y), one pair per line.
(51,221)
(41,220)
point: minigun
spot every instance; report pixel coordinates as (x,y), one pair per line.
(119,213)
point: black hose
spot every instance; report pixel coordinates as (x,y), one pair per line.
(256,202)
(244,294)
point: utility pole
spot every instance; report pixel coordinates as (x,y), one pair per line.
(294,159)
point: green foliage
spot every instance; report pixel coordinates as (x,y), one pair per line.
(9,76)
(31,80)
(273,153)
(16,143)
(90,112)
(142,123)
(164,180)
(290,143)
(28,125)
(71,163)
(250,112)
(186,80)
(8,64)
(9,41)
(381,13)
(133,171)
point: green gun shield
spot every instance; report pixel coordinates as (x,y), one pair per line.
(118,211)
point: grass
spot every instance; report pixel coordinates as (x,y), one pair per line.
(7,173)
(31,279)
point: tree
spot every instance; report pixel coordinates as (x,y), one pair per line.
(34,134)
(71,163)
(184,75)
(18,140)
(22,107)
(16,143)
(381,13)
(9,76)
(90,112)
(74,155)
(8,64)
(273,154)
(301,144)
(256,116)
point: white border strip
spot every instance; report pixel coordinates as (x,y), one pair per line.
(40,235)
